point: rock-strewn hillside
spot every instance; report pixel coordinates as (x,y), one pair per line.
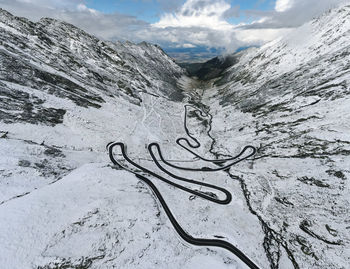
(62,87)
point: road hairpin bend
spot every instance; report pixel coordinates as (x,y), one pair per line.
(194,145)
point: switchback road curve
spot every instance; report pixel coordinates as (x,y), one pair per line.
(228,197)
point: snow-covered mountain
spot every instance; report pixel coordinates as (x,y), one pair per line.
(292,97)
(60,86)
(65,94)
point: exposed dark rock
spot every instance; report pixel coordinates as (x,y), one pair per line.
(24,163)
(210,69)
(313,181)
(19,106)
(338,174)
(62,263)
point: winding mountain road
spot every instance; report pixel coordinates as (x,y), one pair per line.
(195,144)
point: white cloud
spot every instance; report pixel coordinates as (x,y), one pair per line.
(188,46)
(259,36)
(204,23)
(198,13)
(82,8)
(283,5)
(200,23)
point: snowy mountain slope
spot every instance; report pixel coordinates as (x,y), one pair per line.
(55,46)
(60,86)
(315,40)
(94,229)
(292,98)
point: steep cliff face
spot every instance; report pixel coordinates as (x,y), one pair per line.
(65,94)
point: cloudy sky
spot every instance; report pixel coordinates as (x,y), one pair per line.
(195,26)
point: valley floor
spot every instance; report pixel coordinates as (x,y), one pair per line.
(63,204)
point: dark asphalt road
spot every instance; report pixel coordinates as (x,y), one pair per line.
(233,160)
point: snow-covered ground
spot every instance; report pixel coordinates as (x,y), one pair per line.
(94,215)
